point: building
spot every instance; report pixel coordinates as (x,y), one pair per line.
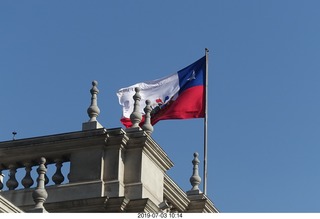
(110,170)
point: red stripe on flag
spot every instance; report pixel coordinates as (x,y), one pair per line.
(189,104)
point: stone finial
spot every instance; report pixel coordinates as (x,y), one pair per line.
(40,194)
(195,178)
(147,127)
(93,110)
(136,116)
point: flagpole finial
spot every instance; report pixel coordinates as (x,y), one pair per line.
(147,127)
(136,116)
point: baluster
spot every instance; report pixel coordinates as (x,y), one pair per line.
(46,178)
(12,183)
(27,181)
(58,177)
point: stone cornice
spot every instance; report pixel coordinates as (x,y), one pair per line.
(116,204)
(8,207)
(140,139)
(47,146)
(101,204)
(142,205)
(175,195)
(59,145)
(51,138)
(201,204)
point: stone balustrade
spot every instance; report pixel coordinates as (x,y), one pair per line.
(26,171)
(73,161)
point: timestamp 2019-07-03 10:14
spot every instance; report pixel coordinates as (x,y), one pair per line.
(160,215)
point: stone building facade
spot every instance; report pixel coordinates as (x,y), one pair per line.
(110,170)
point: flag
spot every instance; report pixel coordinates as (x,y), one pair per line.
(177,96)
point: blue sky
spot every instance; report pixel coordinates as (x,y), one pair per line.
(264,123)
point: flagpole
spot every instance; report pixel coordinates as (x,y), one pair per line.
(205,128)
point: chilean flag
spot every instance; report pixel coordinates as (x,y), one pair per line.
(178,96)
